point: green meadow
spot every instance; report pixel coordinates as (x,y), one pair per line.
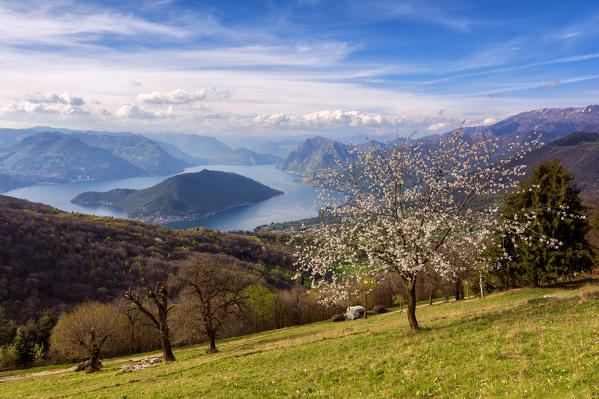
(513,344)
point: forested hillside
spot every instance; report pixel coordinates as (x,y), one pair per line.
(53,259)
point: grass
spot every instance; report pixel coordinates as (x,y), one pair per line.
(514,344)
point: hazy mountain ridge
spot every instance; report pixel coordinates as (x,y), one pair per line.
(210,150)
(38,155)
(187,196)
(55,157)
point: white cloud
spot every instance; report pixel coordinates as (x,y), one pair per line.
(54,98)
(41,108)
(47,103)
(328,119)
(345,121)
(438,126)
(489,121)
(132,111)
(181,96)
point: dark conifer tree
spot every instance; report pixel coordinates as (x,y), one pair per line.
(551,197)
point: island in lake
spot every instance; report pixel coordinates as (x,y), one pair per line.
(183,197)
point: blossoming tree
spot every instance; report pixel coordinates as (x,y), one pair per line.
(400,207)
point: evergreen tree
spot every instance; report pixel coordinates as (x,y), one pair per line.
(45,326)
(550,198)
(25,341)
(7,329)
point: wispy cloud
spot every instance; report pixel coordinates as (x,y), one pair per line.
(50,26)
(433,12)
(550,85)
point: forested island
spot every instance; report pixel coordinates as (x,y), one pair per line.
(187,196)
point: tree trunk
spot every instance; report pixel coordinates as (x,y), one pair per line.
(480,283)
(459,293)
(165,342)
(411,286)
(94,362)
(430,296)
(132,338)
(212,337)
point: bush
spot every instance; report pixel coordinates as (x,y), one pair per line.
(8,358)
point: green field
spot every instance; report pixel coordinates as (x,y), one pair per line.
(514,344)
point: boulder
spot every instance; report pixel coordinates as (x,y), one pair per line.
(133,367)
(378,309)
(354,312)
(337,317)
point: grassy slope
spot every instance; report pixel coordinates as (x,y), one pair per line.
(509,345)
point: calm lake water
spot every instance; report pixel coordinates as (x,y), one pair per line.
(298,202)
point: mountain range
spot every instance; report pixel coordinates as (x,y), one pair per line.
(42,155)
(187,196)
(209,150)
(318,154)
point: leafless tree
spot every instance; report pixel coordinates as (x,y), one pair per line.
(88,330)
(212,292)
(156,308)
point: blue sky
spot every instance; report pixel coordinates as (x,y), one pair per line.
(277,68)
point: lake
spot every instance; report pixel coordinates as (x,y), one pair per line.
(298,202)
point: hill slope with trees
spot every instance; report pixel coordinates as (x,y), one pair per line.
(579,153)
(53,259)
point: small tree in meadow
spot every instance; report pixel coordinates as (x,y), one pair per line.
(213,290)
(87,331)
(155,306)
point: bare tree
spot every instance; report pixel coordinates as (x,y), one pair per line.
(212,292)
(88,330)
(156,308)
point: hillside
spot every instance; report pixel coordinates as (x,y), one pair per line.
(186,196)
(514,345)
(579,153)
(55,157)
(54,259)
(8,182)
